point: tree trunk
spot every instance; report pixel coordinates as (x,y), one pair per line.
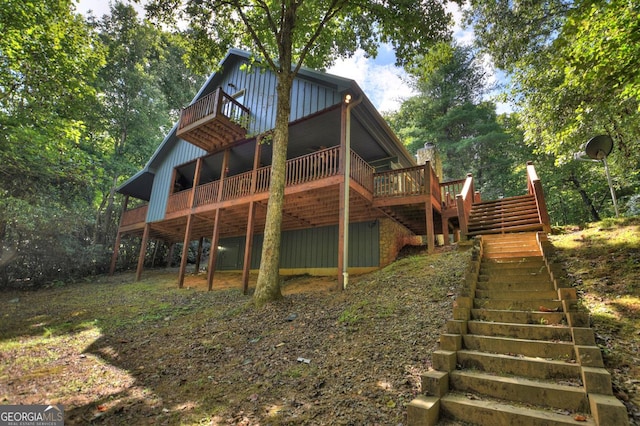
(268,283)
(585,198)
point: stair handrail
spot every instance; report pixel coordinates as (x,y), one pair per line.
(534,187)
(464,200)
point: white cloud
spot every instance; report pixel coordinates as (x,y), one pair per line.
(383,83)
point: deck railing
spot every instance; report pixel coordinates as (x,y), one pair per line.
(449,190)
(178,201)
(535,188)
(214,104)
(361,171)
(207,193)
(318,165)
(133,216)
(237,186)
(464,200)
(400,183)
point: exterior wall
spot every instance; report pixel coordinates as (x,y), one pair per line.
(260,97)
(393,237)
(182,152)
(307,249)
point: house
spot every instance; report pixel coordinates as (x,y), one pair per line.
(210,179)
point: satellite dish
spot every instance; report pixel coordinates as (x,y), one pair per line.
(599,147)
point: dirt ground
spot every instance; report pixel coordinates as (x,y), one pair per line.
(117,352)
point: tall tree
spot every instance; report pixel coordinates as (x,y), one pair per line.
(141,87)
(449,111)
(49,58)
(286,34)
(573,74)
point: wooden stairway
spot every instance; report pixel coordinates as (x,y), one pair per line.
(518,351)
(512,214)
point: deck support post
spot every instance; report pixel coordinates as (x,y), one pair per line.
(445,230)
(248,241)
(345,171)
(213,251)
(143,251)
(185,250)
(428,208)
(430,231)
(114,256)
(116,245)
(246,266)
(199,254)
(172,247)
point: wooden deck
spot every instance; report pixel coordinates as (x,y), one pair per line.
(311,198)
(213,121)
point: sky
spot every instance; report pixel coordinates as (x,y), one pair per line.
(384,84)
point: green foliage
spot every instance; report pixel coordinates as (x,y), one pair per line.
(573,74)
(449,112)
(71,123)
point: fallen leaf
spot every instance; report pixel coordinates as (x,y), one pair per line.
(580,418)
(102,408)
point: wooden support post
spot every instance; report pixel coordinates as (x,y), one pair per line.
(116,245)
(172,247)
(430,231)
(143,251)
(246,266)
(114,256)
(445,230)
(199,255)
(428,208)
(213,251)
(185,250)
(343,213)
(248,244)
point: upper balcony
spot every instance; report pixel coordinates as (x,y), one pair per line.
(214,121)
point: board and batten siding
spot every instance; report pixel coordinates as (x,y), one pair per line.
(308,97)
(308,248)
(182,152)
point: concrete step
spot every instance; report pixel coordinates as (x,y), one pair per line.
(491,412)
(531,260)
(525,366)
(518,389)
(522,331)
(503,255)
(517,294)
(519,236)
(531,348)
(518,304)
(533,268)
(518,317)
(515,284)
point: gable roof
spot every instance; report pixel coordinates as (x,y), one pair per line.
(139,185)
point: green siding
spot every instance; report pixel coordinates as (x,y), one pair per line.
(309,248)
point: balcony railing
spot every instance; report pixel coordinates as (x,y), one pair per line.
(400,183)
(362,172)
(178,201)
(322,164)
(213,121)
(449,190)
(133,216)
(213,105)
